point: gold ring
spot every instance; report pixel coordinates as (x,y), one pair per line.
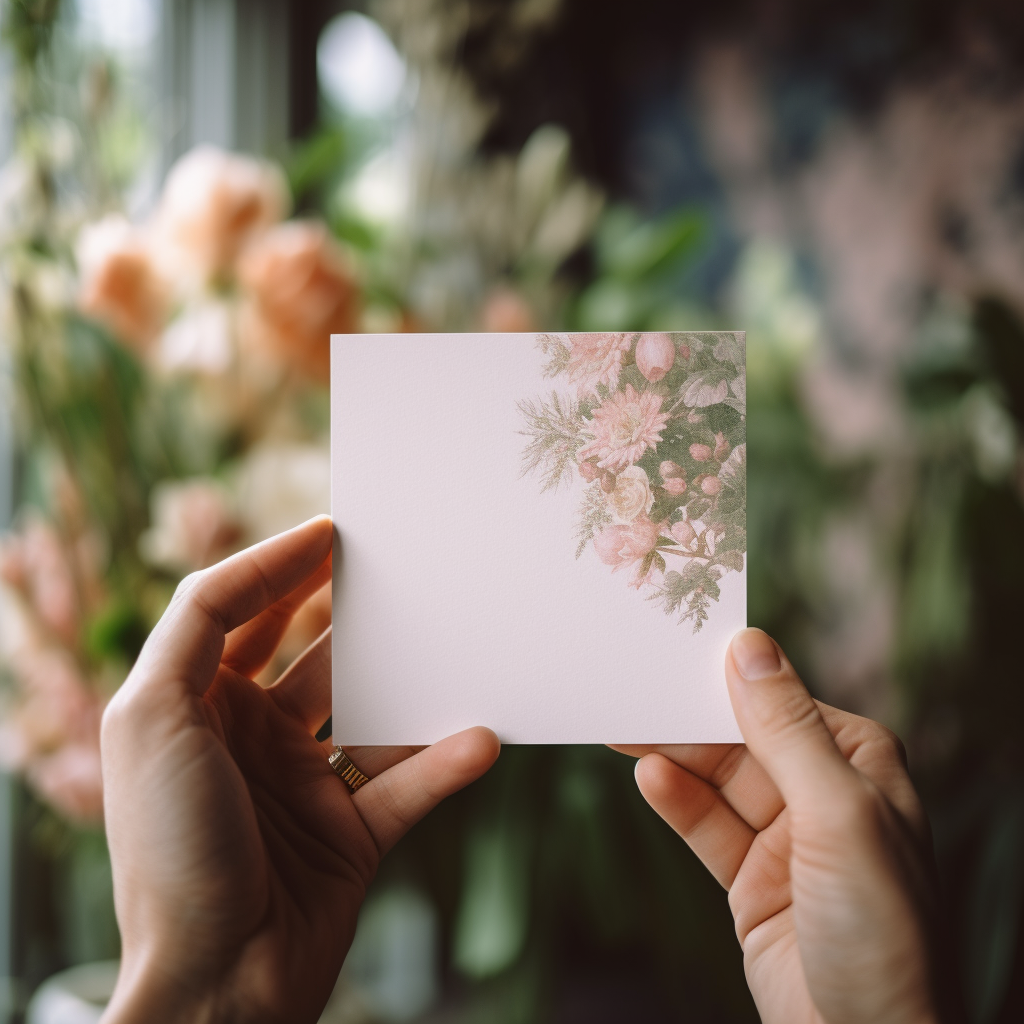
(346,770)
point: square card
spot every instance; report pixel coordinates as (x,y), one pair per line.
(540,533)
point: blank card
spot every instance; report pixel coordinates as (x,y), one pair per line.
(540,533)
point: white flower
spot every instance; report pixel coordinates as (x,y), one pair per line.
(280,486)
(199,339)
(631,496)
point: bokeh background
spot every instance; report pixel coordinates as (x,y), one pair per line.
(194,193)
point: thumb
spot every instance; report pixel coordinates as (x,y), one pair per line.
(781,723)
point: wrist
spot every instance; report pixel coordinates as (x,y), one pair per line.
(148,993)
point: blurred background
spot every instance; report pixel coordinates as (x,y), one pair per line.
(195,193)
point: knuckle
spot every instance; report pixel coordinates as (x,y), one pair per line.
(188,585)
(393,803)
(883,742)
(793,711)
(854,811)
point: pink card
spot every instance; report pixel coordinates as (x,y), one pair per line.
(540,533)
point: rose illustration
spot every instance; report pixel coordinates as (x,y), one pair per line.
(632,495)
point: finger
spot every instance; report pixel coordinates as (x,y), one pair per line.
(374,761)
(731,769)
(250,647)
(699,813)
(394,801)
(877,753)
(188,642)
(304,689)
(782,725)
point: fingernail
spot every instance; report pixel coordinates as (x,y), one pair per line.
(755,654)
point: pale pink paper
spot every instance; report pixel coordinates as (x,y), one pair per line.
(457,597)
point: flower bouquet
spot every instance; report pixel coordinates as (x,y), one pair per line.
(655,427)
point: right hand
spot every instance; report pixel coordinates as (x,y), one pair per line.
(815,829)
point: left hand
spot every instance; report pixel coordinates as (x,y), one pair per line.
(240,859)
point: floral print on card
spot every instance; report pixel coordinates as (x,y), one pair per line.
(652,427)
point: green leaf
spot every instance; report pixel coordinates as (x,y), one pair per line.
(593,514)
(555,428)
(731,560)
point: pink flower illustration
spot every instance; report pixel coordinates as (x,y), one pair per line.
(624,427)
(631,496)
(596,359)
(655,354)
(684,535)
(620,546)
(622,438)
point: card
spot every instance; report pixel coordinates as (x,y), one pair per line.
(540,533)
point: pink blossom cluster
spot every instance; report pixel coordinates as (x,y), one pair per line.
(50,731)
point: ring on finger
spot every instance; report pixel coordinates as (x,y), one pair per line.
(346,770)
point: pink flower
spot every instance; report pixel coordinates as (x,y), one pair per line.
(70,781)
(121,285)
(700,452)
(620,546)
(214,204)
(655,354)
(684,535)
(670,469)
(609,545)
(596,359)
(722,447)
(624,427)
(39,565)
(711,485)
(588,471)
(675,485)
(301,289)
(505,311)
(193,525)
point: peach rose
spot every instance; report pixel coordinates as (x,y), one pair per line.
(507,312)
(213,204)
(301,290)
(121,284)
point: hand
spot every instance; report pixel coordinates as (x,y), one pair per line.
(815,829)
(240,859)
